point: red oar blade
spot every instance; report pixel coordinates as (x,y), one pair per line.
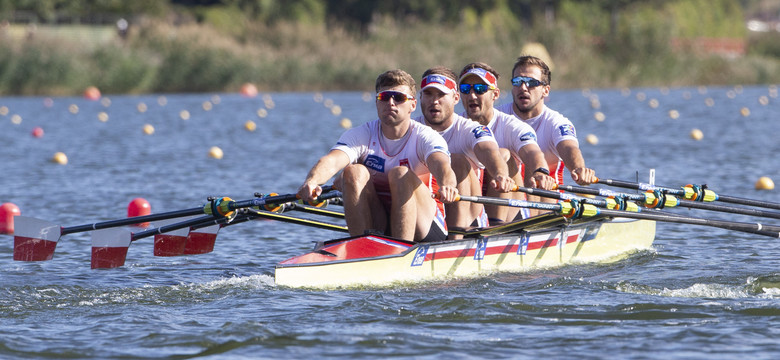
(109,247)
(171,243)
(201,241)
(34,239)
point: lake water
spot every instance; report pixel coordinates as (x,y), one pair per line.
(701,293)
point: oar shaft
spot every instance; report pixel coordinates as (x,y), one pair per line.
(755,228)
(203,220)
(132,220)
(561,196)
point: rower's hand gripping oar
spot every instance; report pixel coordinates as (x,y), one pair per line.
(574,209)
(693,193)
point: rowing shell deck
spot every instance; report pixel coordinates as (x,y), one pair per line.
(544,242)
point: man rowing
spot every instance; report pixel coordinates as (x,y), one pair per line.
(390,168)
(472,146)
(478,85)
(554,132)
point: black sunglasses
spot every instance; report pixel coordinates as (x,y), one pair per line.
(528,81)
(397,96)
(479,89)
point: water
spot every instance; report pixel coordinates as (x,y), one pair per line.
(700,293)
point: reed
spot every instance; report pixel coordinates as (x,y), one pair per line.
(161,57)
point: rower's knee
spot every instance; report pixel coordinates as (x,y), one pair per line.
(354,174)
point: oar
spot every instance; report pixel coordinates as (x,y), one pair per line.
(109,246)
(658,199)
(616,203)
(574,209)
(692,192)
(36,239)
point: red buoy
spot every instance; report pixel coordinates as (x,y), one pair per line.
(92,93)
(249,90)
(7,213)
(37,132)
(139,207)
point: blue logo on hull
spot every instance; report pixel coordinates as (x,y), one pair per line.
(419,256)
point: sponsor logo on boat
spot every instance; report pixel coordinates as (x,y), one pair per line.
(522,247)
(419,256)
(479,252)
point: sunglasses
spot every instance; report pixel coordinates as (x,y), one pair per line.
(397,96)
(528,81)
(479,89)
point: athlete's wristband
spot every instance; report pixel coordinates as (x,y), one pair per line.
(543,171)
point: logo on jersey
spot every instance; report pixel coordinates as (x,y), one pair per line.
(528,137)
(481,131)
(375,163)
(442,149)
(341,143)
(567,130)
(404,162)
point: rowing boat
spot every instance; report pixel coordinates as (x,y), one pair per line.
(537,243)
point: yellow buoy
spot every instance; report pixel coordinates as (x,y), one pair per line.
(599,116)
(744,111)
(653,103)
(674,114)
(592,139)
(250,125)
(106,102)
(763,100)
(696,134)
(162,101)
(641,96)
(318,97)
(765,183)
(335,110)
(59,158)
(141,107)
(184,115)
(148,129)
(215,152)
(102,116)
(709,102)
(3,110)
(16,119)
(346,123)
(262,112)
(207,105)
(73,108)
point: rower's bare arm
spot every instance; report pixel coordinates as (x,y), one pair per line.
(325,168)
(489,155)
(439,165)
(533,158)
(572,157)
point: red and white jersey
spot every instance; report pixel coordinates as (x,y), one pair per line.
(367,145)
(551,128)
(463,135)
(510,133)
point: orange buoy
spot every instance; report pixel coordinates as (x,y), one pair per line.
(249,90)
(139,207)
(92,93)
(37,132)
(7,213)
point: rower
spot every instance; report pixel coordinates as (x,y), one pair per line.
(555,133)
(471,144)
(388,169)
(478,85)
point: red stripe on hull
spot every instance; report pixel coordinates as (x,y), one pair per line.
(32,249)
(542,244)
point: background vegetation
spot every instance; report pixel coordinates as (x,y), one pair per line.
(58,47)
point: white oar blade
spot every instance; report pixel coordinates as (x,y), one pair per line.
(109,247)
(201,241)
(34,239)
(171,243)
